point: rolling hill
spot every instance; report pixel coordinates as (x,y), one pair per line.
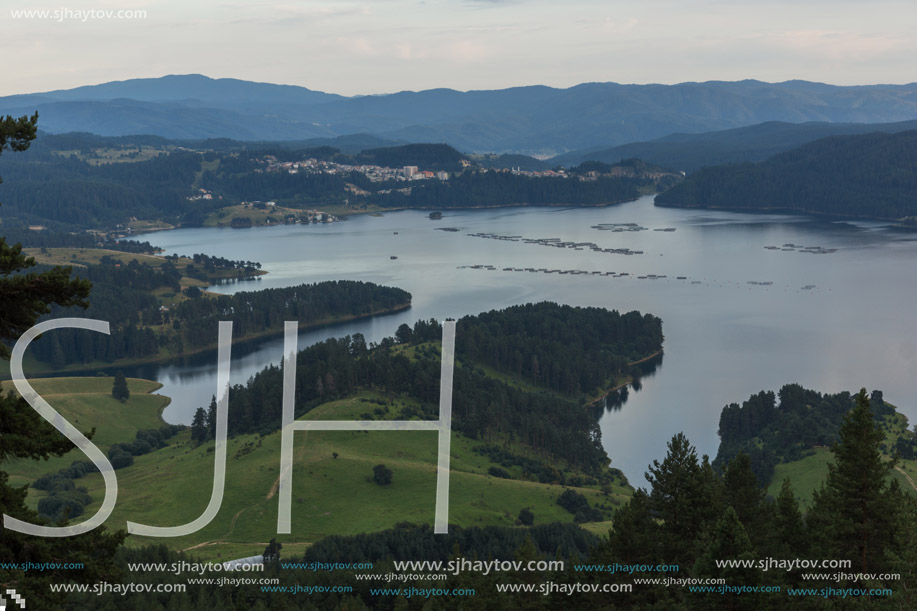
(529,120)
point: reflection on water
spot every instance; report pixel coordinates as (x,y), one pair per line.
(616,398)
(725,337)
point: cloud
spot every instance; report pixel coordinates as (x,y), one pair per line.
(358,46)
(408,51)
(835,44)
(468,51)
(615,26)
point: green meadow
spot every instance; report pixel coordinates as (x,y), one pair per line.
(333,489)
(87,403)
(807,474)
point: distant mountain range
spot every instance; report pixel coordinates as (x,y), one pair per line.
(691,152)
(534,120)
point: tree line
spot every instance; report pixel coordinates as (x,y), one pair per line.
(16,232)
(871,175)
(125,295)
(557,427)
(785,427)
(73,194)
(576,351)
(691,516)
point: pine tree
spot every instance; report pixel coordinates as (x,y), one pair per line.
(119,389)
(210,422)
(903,558)
(199,426)
(789,536)
(635,536)
(681,494)
(24,297)
(382,475)
(272,552)
(747,498)
(729,541)
(857,506)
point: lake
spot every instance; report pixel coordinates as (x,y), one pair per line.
(743,318)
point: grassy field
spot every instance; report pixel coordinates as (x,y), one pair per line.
(805,475)
(272,215)
(148,225)
(81,257)
(87,403)
(275,215)
(105,155)
(331,494)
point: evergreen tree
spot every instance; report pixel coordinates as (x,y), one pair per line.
(198,426)
(747,498)
(403,334)
(119,389)
(681,495)
(382,475)
(634,537)
(857,506)
(272,552)
(789,536)
(729,541)
(211,419)
(24,297)
(903,557)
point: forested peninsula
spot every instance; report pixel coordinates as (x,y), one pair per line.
(871,175)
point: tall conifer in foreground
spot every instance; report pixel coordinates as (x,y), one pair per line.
(857,505)
(24,297)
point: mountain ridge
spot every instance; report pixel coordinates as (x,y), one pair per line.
(533,119)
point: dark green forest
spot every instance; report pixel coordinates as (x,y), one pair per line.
(433,157)
(553,421)
(574,351)
(126,297)
(67,193)
(63,183)
(16,232)
(871,175)
(783,428)
(493,188)
(691,516)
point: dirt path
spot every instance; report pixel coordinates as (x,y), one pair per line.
(906,476)
(219,541)
(235,518)
(276,486)
(645,359)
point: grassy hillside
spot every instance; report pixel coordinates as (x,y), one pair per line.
(87,403)
(331,495)
(807,474)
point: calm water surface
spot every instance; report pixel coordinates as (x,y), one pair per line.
(724,337)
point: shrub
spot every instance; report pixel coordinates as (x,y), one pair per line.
(382,475)
(498,472)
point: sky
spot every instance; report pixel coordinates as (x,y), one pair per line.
(382,46)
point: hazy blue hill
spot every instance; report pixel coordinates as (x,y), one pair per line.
(690,152)
(177,87)
(123,117)
(868,175)
(527,120)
